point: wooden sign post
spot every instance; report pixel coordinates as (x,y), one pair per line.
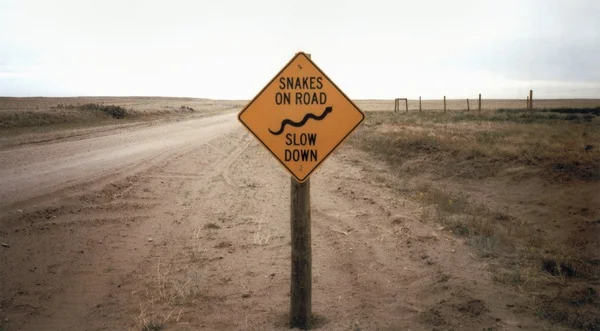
(301,117)
(301,277)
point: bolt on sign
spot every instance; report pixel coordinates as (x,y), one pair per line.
(301,116)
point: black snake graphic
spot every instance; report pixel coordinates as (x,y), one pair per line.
(301,123)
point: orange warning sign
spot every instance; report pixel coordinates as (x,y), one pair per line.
(301,116)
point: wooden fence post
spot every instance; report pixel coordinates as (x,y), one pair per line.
(531,100)
(479,103)
(419,103)
(444,103)
(468,106)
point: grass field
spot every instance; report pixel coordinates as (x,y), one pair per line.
(39,111)
(521,188)
(35,112)
(486,104)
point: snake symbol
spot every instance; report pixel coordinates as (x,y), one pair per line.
(302,122)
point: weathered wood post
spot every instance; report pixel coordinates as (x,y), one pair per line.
(468,106)
(406,103)
(419,103)
(531,100)
(479,109)
(444,103)
(301,280)
(301,277)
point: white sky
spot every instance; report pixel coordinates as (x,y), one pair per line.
(230,49)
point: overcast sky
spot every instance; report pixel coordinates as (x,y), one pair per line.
(232,48)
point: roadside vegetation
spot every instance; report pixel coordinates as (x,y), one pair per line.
(117,112)
(63,114)
(521,188)
(58,113)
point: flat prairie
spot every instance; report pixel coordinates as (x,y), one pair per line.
(486,104)
(140,213)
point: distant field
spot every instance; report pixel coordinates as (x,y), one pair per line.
(136,104)
(40,111)
(490,104)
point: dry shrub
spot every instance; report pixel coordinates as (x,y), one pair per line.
(573,306)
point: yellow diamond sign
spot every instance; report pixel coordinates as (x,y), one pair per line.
(301,116)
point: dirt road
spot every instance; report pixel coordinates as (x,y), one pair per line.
(38,169)
(185,226)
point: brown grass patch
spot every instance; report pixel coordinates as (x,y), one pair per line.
(453,153)
(39,111)
(475,148)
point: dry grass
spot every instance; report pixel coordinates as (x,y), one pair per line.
(166,294)
(117,112)
(174,285)
(469,146)
(262,234)
(575,306)
(487,104)
(211,226)
(459,151)
(35,112)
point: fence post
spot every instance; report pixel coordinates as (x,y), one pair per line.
(419,103)
(531,100)
(468,106)
(444,103)
(479,103)
(406,102)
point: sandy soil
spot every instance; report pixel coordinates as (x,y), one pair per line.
(185,226)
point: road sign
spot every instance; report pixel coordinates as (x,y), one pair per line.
(301,116)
